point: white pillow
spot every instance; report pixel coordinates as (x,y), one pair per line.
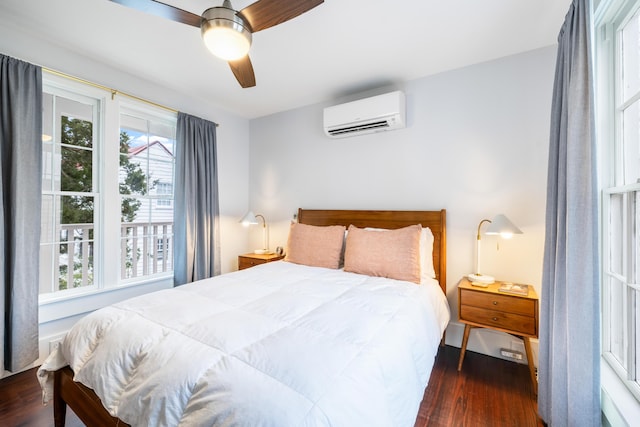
(427,271)
(426,254)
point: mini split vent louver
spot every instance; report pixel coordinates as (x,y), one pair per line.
(374,114)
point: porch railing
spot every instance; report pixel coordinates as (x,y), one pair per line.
(145,249)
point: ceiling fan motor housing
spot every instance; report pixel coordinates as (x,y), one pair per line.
(225,34)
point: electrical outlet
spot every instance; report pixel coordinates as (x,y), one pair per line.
(511,354)
(54,343)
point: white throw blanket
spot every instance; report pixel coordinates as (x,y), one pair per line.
(279,344)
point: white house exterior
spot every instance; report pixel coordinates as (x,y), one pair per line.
(151,231)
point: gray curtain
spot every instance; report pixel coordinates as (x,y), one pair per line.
(20,204)
(197,211)
(569,363)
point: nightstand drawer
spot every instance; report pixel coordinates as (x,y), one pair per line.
(250,260)
(506,303)
(244,262)
(518,324)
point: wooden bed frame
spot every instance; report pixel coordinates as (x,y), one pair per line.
(86,404)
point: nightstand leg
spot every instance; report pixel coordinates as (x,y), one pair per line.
(463,349)
(532,369)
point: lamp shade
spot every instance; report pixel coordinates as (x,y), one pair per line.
(249,219)
(503,226)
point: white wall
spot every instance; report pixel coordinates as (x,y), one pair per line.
(233,165)
(476,144)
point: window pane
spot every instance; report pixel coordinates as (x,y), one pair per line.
(74,248)
(616,237)
(132,178)
(136,131)
(47,219)
(636,320)
(48,269)
(631,143)
(630,58)
(634,271)
(47,142)
(76,257)
(77,167)
(618,314)
(77,131)
(77,210)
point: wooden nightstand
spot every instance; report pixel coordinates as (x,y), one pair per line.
(249,260)
(488,308)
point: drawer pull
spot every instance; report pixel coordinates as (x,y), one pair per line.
(495,303)
(495,319)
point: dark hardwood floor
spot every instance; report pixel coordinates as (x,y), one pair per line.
(488,392)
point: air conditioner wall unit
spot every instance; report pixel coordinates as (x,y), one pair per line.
(368,115)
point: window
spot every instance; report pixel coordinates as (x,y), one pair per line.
(146,191)
(165,192)
(107,196)
(69,191)
(618,78)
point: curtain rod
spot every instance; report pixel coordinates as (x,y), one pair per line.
(114,92)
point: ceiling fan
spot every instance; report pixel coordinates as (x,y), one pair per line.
(227,32)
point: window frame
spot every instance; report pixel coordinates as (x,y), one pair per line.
(106,188)
(610,18)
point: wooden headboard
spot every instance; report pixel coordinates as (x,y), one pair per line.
(435,220)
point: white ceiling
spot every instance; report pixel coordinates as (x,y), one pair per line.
(336,49)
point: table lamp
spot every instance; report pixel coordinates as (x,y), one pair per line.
(251,219)
(500,225)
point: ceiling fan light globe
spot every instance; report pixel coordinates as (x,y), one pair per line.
(226,43)
(225,34)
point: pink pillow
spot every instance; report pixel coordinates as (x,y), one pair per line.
(394,253)
(315,246)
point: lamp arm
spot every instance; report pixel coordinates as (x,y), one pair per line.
(479,225)
(264,221)
(265,242)
(478,237)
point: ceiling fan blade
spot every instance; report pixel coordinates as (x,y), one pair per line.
(162,10)
(264,14)
(243,70)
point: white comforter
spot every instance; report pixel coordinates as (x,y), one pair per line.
(275,345)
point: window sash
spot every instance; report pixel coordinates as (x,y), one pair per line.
(52,259)
(620,285)
(139,255)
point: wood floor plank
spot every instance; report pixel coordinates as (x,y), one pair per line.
(487,392)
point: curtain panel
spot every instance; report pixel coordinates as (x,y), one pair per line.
(569,365)
(197,210)
(20,205)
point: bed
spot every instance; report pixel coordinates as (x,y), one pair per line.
(278,344)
